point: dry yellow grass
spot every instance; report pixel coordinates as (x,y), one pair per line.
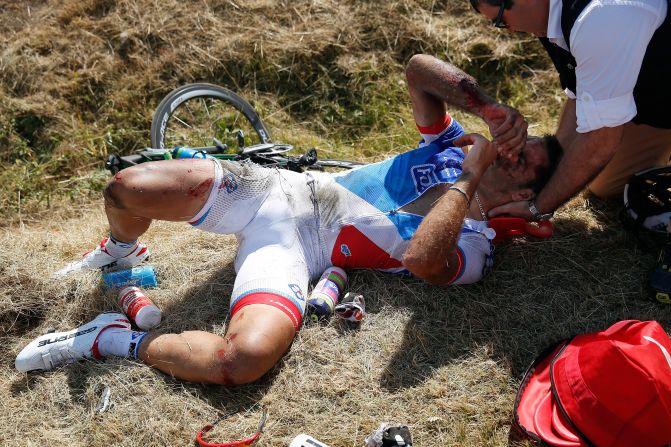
(80,79)
(444,361)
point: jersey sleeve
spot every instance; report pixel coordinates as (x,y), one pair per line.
(475,252)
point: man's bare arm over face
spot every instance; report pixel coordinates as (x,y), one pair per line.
(432,78)
(432,252)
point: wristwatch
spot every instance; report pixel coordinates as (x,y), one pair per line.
(538,216)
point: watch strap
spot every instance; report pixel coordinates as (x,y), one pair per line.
(537,215)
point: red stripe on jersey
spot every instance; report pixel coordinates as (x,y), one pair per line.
(458,272)
(436,128)
(353,250)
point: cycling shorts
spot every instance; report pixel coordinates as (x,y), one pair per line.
(263,209)
(292,226)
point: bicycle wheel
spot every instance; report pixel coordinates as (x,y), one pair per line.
(196,114)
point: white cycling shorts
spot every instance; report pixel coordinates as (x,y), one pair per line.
(263,207)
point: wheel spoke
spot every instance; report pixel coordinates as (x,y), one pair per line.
(188,109)
(183,123)
(205,105)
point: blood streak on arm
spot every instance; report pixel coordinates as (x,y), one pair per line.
(475,101)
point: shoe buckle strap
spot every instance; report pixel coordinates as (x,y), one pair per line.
(46,359)
(67,355)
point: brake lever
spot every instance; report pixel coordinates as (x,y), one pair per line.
(309,158)
(221,147)
(240,135)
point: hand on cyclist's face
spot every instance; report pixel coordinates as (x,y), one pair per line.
(531,160)
(481,153)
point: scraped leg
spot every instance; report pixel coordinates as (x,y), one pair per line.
(173,190)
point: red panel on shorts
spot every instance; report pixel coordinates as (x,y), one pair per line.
(271,299)
(353,250)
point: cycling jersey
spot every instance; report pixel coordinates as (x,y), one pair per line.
(292,226)
(376,233)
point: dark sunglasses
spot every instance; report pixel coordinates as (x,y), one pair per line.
(498,21)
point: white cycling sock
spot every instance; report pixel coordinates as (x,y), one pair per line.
(119,249)
(120,342)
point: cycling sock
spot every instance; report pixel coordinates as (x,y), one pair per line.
(120,342)
(119,249)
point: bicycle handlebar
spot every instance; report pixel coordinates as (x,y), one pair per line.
(269,154)
(135,159)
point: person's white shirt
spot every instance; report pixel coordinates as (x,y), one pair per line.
(608,41)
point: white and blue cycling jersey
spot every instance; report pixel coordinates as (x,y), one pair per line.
(372,232)
(292,226)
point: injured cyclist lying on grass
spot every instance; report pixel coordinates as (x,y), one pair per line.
(422,212)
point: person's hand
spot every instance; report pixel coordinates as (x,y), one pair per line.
(517,209)
(508,128)
(481,154)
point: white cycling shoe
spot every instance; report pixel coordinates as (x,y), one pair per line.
(100,259)
(54,349)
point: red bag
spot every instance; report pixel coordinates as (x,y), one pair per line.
(605,389)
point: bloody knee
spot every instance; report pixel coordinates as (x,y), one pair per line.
(112,194)
(246,357)
(128,188)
